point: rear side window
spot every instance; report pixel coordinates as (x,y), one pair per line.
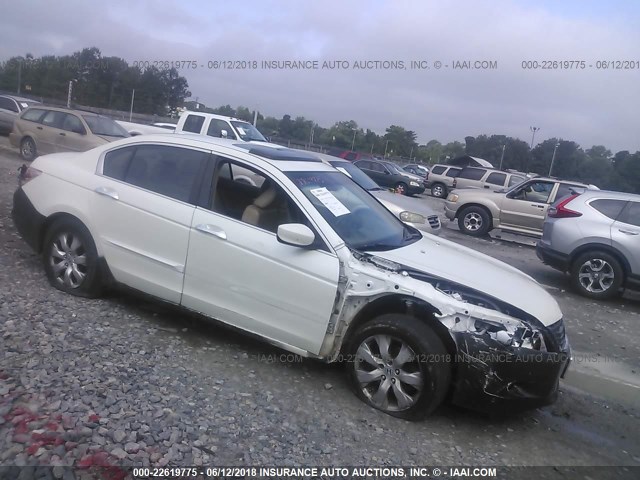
(497,178)
(193,123)
(472,173)
(33,114)
(170,171)
(631,214)
(438,170)
(454,172)
(609,207)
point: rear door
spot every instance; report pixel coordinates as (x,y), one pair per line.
(524,209)
(238,272)
(495,181)
(8,113)
(47,134)
(142,208)
(625,235)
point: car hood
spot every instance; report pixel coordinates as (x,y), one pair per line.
(485,274)
(402,202)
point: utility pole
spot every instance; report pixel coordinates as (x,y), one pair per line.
(313,127)
(133,95)
(255,121)
(19,74)
(353,142)
(502,156)
(553,157)
(69,93)
(533,135)
(385,148)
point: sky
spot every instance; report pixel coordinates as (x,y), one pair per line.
(590,105)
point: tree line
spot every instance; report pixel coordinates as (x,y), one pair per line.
(98,81)
(108,82)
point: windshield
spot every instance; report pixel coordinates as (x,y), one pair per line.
(356,174)
(358,218)
(104,126)
(248,132)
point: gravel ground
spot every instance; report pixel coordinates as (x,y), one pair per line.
(124,381)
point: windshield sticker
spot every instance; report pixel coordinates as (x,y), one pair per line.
(327,198)
(344,171)
(24,105)
(241,130)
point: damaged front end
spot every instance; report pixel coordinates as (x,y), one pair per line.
(506,359)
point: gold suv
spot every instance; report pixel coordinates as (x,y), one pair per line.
(40,130)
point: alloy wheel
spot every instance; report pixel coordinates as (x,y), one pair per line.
(472,221)
(388,372)
(68,260)
(596,275)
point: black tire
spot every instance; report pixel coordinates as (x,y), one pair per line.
(28,150)
(590,265)
(68,243)
(474,221)
(402,188)
(429,361)
(439,190)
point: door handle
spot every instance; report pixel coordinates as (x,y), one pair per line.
(536,205)
(211,230)
(487,186)
(63,134)
(107,192)
(628,232)
(39,128)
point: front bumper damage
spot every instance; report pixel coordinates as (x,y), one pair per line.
(493,377)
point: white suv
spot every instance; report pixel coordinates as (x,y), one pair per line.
(304,258)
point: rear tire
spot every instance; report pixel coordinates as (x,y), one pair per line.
(70,258)
(597,274)
(399,365)
(474,221)
(28,149)
(439,190)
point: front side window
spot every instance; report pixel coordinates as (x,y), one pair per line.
(193,123)
(364,164)
(358,218)
(497,178)
(246,194)
(515,180)
(33,114)
(378,167)
(170,171)
(104,126)
(72,124)
(216,127)
(534,192)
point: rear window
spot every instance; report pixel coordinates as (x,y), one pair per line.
(454,172)
(472,173)
(438,170)
(609,207)
(193,123)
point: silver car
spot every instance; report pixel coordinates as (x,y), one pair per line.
(10,108)
(595,236)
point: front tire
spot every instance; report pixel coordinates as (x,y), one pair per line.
(398,365)
(70,258)
(402,188)
(28,150)
(597,275)
(474,221)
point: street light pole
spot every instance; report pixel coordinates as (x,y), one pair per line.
(353,142)
(533,135)
(553,157)
(385,148)
(133,95)
(502,156)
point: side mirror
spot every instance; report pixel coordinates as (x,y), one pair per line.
(224,133)
(295,234)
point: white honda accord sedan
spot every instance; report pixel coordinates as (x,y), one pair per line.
(305,259)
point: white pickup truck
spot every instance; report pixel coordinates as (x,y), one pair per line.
(205,124)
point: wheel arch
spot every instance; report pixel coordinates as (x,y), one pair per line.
(462,208)
(624,263)
(51,219)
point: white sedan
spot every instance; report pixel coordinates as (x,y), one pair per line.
(305,259)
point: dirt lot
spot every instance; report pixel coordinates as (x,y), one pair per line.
(124,381)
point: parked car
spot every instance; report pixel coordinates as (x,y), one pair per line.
(416,169)
(595,237)
(387,174)
(440,179)
(10,108)
(308,261)
(489,178)
(40,130)
(350,155)
(520,209)
(411,211)
(134,128)
(219,126)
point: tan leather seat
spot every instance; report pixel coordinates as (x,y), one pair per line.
(267,210)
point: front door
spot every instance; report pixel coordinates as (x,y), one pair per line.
(625,235)
(525,208)
(238,272)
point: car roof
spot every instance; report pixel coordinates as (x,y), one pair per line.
(68,110)
(214,115)
(590,193)
(19,99)
(284,159)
